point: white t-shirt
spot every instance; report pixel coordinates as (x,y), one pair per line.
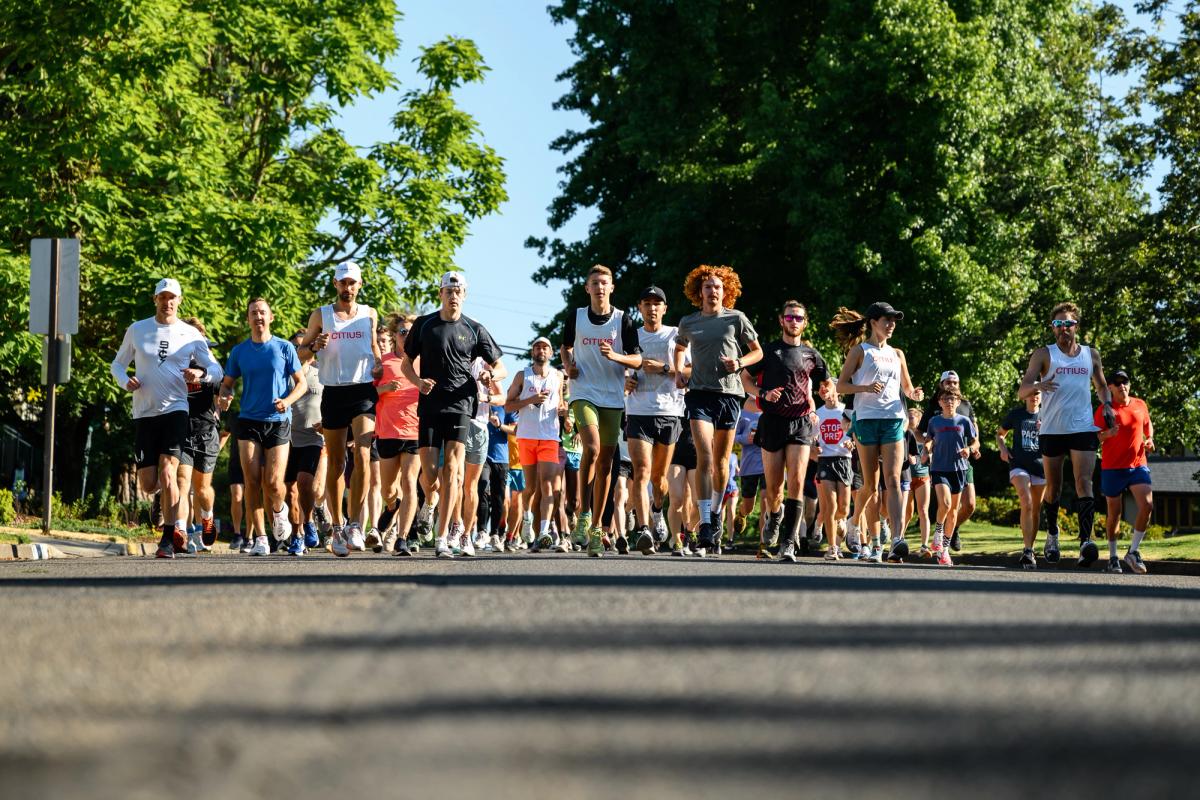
(540,422)
(347,358)
(160,353)
(656,395)
(830,432)
(880,363)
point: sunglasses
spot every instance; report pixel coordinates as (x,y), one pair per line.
(1064,323)
(402,332)
(794,317)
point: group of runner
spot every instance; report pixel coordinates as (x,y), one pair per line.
(411,411)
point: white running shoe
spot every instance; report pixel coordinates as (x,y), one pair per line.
(441,549)
(527,527)
(354,537)
(261,547)
(280,525)
(372,539)
(337,543)
(468,547)
(563,545)
(425,522)
(495,545)
(852,542)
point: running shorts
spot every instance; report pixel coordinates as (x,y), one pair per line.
(654,429)
(436,430)
(538,451)
(341,404)
(775,432)
(1115,481)
(162,435)
(394,448)
(878,431)
(1054,445)
(835,469)
(955,479)
(608,420)
(201,447)
(516,480)
(302,459)
(266,433)
(1034,480)
(751,485)
(477,441)
(719,409)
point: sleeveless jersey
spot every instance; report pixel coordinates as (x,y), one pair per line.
(830,433)
(347,358)
(600,381)
(1068,409)
(880,363)
(540,422)
(656,395)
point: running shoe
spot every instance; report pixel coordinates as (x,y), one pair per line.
(955,544)
(1088,553)
(563,545)
(296,546)
(788,552)
(885,530)
(425,522)
(704,538)
(208,532)
(622,545)
(645,541)
(876,556)
(852,541)
(261,547)
(247,545)
(680,548)
(527,526)
(833,554)
(337,543)
(322,518)
(1050,549)
(402,548)
(1133,560)
(495,545)
(388,544)
(237,542)
(281,526)
(925,552)
(373,540)
(855,552)
(595,545)
(1114,566)
(545,541)
(195,545)
(468,547)
(354,537)
(1027,561)
(311,537)
(165,550)
(178,539)
(898,551)
(944,557)
(582,523)
(764,553)
(660,531)
(441,549)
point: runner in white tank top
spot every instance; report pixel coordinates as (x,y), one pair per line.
(877,375)
(536,395)
(1061,372)
(599,344)
(342,337)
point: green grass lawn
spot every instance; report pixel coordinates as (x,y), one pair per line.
(13,538)
(985,538)
(141,533)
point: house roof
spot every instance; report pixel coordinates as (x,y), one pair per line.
(1174,475)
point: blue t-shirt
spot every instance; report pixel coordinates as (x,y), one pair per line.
(266,371)
(498,440)
(949,436)
(744,435)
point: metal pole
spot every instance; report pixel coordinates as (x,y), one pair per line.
(51,374)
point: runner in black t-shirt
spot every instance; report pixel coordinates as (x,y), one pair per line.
(198,459)
(447,343)
(1025,471)
(782,381)
(966,503)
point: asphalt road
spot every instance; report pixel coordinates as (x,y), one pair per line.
(561,677)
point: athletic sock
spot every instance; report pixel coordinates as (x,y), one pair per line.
(385,519)
(1085,507)
(939,531)
(1112,548)
(167,535)
(792,517)
(705,510)
(1051,510)
(206,514)
(1136,541)
(543,527)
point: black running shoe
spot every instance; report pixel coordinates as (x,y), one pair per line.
(622,545)
(1027,561)
(955,544)
(645,541)
(898,551)
(165,550)
(1114,566)
(704,538)
(1088,553)
(402,548)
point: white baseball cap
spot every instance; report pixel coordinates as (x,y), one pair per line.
(948,374)
(168,285)
(454,279)
(540,340)
(348,269)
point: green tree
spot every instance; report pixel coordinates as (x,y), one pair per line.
(200,140)
(946,155)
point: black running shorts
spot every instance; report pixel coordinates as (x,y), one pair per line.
(162,435)
(201,447)
(268,434)
(341,404)
(302,459)
(436,430)
(775,432)
(654,429)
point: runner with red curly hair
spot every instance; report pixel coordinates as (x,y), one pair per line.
(723,342)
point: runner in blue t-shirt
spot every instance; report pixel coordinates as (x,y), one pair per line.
(949,434)
(266,364)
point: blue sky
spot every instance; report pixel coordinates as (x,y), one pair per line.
(525,52)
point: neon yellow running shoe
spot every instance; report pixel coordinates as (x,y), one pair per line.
(595,543)
(580,534)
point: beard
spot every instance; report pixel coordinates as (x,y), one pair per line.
(539,360)
(345,297)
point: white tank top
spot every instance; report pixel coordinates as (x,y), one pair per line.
(1068,409)
(347,358)
(656,395)
(880,364)
(540,422)
(600,381)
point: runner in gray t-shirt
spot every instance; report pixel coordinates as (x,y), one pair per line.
(305,473)
(722,342)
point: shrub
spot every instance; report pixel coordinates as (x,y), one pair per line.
(8,508)
(1002,510)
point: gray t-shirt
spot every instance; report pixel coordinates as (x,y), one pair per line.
(306,412)
(728,333)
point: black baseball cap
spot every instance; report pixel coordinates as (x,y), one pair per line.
(653,293)
(881,309)
(1120,376)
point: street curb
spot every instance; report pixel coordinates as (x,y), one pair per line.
(1187,568)
(29,552)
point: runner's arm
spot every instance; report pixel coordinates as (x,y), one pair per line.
(849,367)
(299,387)
(1031,382)
(512,401)
(754,354)
(1101,384)
(749,384)
(376,351)
(213,373)
(309,345)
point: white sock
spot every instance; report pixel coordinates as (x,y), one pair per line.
(938,535)
(1112,548)
(544,526)
(718,499)
(1136,541)
(705,510)
(179,525)
(206,514)
(655,518)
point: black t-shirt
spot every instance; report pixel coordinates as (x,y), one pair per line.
(1024,452)
(911,448)
(794,367)
(447,350)
(935,409)
(628,341)
(202,402)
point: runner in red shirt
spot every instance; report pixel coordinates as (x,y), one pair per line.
(396,427)
(1123,467)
